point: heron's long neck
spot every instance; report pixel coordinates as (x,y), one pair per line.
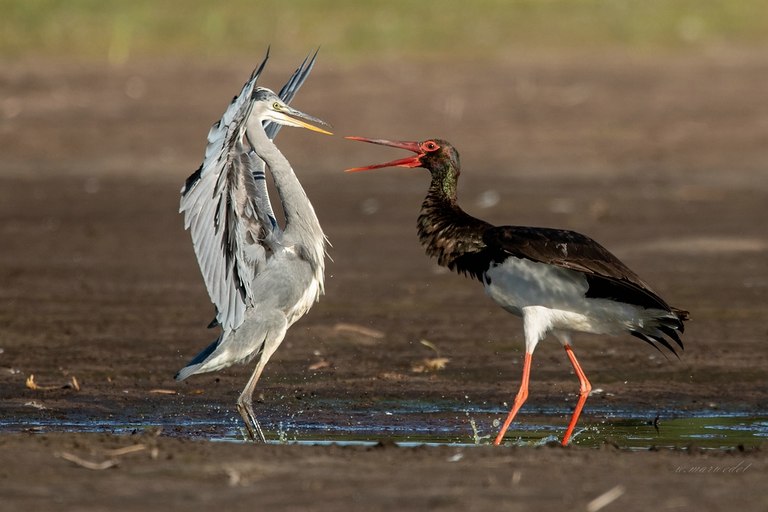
(299,213)
(302,229)
(445,230)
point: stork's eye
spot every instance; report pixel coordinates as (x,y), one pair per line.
(276,106)
(430,146)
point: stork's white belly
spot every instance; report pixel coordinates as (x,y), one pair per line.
(519,283)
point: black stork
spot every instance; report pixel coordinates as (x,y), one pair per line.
(558,281)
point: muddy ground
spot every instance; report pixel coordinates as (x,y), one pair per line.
(661,159)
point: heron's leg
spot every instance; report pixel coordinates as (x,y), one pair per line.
(535,324)
(584,389)
(245,405)
(277,327)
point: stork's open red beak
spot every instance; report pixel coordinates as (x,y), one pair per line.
(412,161)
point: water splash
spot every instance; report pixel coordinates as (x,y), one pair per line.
(413,422)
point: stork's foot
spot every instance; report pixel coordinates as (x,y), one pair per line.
(251,425)
(584,388)
(583,395)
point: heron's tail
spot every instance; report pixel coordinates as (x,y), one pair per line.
(194,365)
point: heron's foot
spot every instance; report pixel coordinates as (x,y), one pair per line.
(251,425)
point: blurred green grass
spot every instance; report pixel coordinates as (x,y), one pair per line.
(119,30)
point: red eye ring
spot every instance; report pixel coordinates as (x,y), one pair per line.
(430,146)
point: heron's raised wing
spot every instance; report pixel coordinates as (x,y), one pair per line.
(290,89)
(226,206)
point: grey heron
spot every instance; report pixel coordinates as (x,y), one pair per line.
(260,276)
(558,281)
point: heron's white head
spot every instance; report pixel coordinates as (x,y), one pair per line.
(267,106)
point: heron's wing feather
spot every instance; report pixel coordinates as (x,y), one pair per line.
(225,132)
(221,208)
(290,89)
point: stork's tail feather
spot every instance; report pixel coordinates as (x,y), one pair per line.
(681,315)
(655,340)
(660,330)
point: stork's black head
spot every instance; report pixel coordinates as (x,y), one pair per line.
(436,155)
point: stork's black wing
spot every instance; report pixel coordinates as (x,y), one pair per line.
(606,275)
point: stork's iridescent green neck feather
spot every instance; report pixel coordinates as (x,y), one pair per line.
(446,231)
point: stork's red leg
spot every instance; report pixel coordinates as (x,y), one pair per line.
(522,395)
(585,388)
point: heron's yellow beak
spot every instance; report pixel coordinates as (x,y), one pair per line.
(299,119)
(312,127)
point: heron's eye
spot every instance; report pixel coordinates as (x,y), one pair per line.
(276,106)
(430,146)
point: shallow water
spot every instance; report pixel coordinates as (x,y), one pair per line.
(410,423)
